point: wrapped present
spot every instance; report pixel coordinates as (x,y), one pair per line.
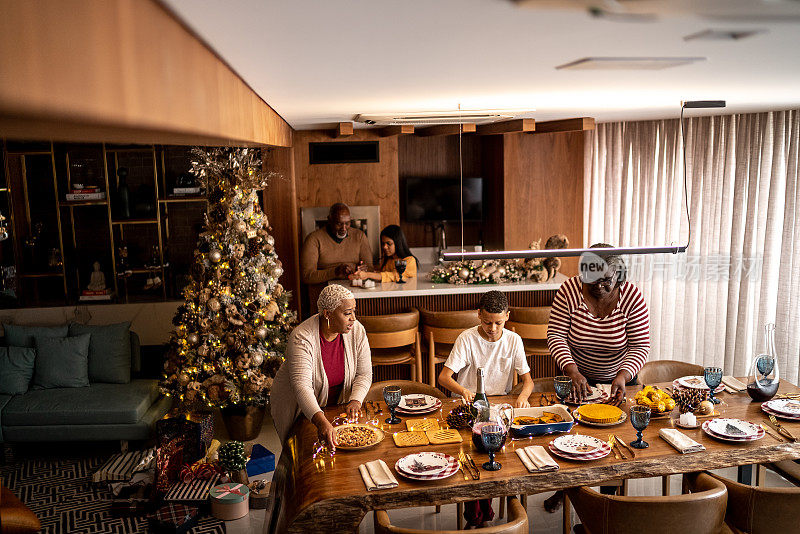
(169,461)
(194,492)
(122,466)
(229,501)
(196,427)
(134,503)
(259,494)
(261,461)
(174,518)
(202,470)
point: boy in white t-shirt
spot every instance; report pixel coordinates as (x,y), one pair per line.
(500,352)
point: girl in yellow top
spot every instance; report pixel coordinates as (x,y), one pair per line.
(394,247)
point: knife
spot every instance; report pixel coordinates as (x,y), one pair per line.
(476,474)
(782,430)
(619,447)
(463,471)
(620,442)
(772,433)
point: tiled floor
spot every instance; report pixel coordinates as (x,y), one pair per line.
(426,517)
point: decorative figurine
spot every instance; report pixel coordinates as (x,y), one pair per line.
(97,282)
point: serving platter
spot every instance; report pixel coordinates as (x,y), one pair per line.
(343,432)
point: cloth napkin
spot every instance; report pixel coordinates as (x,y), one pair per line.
(376,475)
(733,383)
(536,459)
(683,443)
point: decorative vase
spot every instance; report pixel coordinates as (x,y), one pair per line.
(243,422)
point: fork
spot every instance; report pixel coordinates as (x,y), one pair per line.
(477,474)
(781,428)
(772,433)
(615,441)
(611,444)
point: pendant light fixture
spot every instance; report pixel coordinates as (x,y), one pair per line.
(566,252)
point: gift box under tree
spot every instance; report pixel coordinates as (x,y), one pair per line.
(174,518)
(196,427)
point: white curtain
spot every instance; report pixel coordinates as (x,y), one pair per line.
(742,269)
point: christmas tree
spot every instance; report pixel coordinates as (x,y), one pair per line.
(230,333)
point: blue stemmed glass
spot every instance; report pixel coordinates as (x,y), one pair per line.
(640,418)
(713,376)
(563,387)
(492,437)
(392,395)
(400,267)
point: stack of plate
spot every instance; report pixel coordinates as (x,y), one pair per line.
(783,408)
(732,430)
(427,466)
(596,396)
(418,404)
(579,447)
(694,382)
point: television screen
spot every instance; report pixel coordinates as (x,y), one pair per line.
(438,199)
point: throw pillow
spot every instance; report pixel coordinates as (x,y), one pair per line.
(16,369)
(109,351)
(23,336)
(61,362)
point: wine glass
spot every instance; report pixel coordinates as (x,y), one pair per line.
(391,394)
(640,418)
(713,376)
(400,266)
(563,387)
(492,436)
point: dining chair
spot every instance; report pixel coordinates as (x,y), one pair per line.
(394,340)
(788,469)
(531,325)
(699,512)
(517,523)
(657,371)
(440,330)
(754,510)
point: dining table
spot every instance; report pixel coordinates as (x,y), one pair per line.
(316,492)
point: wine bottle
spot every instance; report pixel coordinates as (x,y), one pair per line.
(481,402)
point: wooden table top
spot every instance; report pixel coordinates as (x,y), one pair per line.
(328,494)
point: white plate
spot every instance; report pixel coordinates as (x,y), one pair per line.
(416,402)
(577,444)
(790,407)
(424,463)
(720,426)
(595,395)
(693,382)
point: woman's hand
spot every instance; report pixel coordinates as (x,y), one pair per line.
(358,275)
(522,402)
(325,432)
(618,389)
(468,395)
(353,410)
(580,386)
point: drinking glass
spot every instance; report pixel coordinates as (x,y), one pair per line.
(563,387)
(713,376)
(640,418)
(400,266)
(492,437)
(391,395)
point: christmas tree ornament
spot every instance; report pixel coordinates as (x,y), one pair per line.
(193,338)
(215,256)
(270,241)
(463,273)
(240,226)
(261,332)
(213,304)
(257,359)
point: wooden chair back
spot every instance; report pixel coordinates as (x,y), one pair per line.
(443,328)
(517,523)
(528,331)
(394,322)
(387,340)
(375,392)
(699,513)
(530,315)
(755,510)
(667,371)
(540,385)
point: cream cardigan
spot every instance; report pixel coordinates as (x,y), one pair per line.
(301,385)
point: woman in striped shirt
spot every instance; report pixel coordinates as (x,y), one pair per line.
(599,329)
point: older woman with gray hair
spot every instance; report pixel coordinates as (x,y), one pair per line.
(327,362)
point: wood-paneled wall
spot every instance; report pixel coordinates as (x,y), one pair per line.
(121,71)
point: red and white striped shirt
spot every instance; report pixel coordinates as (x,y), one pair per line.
(599,347)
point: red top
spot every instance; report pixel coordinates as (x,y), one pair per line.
(333,361)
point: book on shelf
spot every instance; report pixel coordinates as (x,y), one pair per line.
(71,197)
(102,295)
(179,191)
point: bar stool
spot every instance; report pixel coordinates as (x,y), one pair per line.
(699,513)
(394,340)
(440,330)
(531,325)
(517,523)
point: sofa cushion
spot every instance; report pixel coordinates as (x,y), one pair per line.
(16,369)
(4,399)
(109,351)
(96,404)
(23,336)
(62,362)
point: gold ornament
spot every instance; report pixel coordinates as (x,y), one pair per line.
(257,359)
(215,255)
(271,311)
(193,338)
(240,226)
(261,332)
(213,304)
(463,273)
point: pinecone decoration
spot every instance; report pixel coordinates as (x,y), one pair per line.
(460,417)
(687,400)
(232,457)
(254,246)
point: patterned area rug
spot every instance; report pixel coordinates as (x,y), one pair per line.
(61,494)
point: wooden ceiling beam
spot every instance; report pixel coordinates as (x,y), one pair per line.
(400,129)
(344,129)
(503,127)
(565,125)
(447,129)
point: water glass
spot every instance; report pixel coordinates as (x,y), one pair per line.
(400,267)
(492,437)
(640,418)
(563,387)
(713,376)
(392,395)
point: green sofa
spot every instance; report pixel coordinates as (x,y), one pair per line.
(98,412)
